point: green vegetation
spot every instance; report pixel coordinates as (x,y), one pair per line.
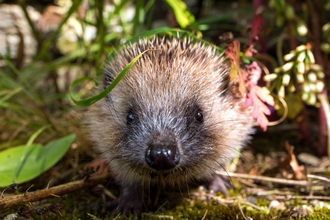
(41,121)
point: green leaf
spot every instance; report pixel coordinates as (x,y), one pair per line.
(27,150)
(38,159)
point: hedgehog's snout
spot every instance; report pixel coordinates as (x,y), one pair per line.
(162,154)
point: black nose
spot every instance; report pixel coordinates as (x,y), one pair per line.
(162,155)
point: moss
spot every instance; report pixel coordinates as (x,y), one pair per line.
(81,205)
(323,213)
(213,211)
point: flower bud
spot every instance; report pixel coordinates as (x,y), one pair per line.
(288,66)
(301,67)
(311,99)
(286,79)
(319,86)
(325,47)
(306,88)
(292,88)
(310,56)
(301,57)
(270,77)
(289,12)
(300,78)
(312,87)
(289,56)
(302,29)
(277,70)
(320,74)
(301,48)
(304,96)
(315,67)
(312,77)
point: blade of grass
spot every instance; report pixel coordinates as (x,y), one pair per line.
(90,101)
(11,83)
(9,94)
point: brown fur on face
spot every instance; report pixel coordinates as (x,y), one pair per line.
(180,92)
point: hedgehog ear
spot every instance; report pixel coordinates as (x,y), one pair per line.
(108,77)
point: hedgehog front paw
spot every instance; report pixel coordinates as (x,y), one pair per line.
(130,201)
(219,184)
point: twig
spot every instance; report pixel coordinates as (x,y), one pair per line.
(241,210)
(287,197)
(318,178)
(234,201)
(204,216)
(60,190)
(276,180)
(266,179)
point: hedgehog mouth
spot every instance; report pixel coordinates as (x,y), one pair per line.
(159,174)
(164,174)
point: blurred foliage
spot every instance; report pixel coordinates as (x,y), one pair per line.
(300,70)
(301,75)
(36,94)
(73,40)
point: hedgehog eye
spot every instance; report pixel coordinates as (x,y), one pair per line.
(199,116)
(130,118)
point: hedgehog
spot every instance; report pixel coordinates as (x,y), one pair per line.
(174,119)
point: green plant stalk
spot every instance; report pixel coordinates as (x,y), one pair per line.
(149,8)
(101,30)
(136,20)
(36,34)
(120,6)
(126,32)
(279,47)
(46,45)
(326,108)
(119,11)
